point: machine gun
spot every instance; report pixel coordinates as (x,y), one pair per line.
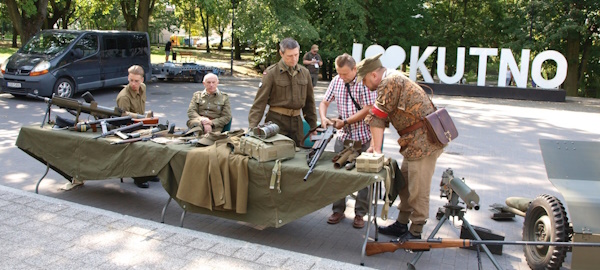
(77,106)
(104,122)
(452,186)
(125,129)
(144,135)
(316,151)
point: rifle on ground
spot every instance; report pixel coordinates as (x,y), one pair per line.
(425,245)
(316,151)
(104,122)
(125,129)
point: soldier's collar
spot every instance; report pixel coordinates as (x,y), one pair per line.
(204,93)
(283,67)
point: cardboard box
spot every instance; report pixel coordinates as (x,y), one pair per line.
(369,162)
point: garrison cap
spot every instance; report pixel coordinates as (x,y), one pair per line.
(211,137)
(368,65)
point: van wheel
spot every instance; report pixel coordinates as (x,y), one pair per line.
(198,77)
(64,88)
(545,221)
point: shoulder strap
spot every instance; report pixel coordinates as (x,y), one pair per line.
(351,97)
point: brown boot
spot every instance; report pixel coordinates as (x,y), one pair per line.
(359,222)
(335,218)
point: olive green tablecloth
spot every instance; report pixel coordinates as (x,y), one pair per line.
(80,156)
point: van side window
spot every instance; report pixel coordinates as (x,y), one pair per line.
(88,44)
(123,45)
(110,47)
(139,45)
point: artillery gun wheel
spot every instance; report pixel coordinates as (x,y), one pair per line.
(546,220)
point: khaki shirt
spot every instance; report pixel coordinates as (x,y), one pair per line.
(406,103)
(132,102)
(282,86)
(216,107)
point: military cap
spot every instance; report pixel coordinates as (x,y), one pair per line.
(368,65)
(211,137)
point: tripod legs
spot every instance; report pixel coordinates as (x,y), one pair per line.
(447,214)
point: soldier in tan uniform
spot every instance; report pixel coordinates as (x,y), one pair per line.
(286,87)
(403,103)
(210,108)
(132,100)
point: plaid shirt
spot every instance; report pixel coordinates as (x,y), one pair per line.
(346,108)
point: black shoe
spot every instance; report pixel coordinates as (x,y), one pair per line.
(155,179)
(397,229)
(408,236)
(141,184)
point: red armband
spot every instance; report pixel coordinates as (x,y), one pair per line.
(378,112)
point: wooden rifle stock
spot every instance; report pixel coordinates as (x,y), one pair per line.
(415,245)
(425,245)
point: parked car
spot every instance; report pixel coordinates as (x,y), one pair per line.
(64,62)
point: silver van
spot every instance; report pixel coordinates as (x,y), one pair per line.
(64,62)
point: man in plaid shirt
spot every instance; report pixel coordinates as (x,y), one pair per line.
(353,103)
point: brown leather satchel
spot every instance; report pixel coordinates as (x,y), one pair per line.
(440,127)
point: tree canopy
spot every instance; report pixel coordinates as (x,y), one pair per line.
(570,27)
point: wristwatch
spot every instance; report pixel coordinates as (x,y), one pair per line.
(345,122)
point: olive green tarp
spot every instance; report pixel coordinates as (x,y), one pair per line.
(80,156)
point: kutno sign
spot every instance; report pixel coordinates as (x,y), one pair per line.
(395,55)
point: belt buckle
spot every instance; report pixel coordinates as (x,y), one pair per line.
(290,112)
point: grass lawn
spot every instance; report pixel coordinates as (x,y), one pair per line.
(220,59)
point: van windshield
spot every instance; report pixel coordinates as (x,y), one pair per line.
(48,43)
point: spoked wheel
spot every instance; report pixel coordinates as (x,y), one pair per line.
(546,220)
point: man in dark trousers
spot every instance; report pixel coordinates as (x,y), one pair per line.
(287,89)
(313,61)
(167,50)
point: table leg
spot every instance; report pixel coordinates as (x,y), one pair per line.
(182,217)
(39,181)
(162,215)
(371,218)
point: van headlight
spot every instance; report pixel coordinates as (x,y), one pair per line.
(3,66)
(40,69)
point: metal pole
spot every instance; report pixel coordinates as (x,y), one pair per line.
(232,40)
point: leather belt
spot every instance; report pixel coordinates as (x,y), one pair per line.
(286,111)
(412,127)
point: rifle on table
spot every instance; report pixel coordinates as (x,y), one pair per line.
(104,122)
(144,135)
(77,106)
(425,245)
(316,151)
(125,129)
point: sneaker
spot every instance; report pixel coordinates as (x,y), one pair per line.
(397,229)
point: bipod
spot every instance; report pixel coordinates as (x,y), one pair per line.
(452,209)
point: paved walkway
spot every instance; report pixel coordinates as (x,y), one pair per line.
(39,232)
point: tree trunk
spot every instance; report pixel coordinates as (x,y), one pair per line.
(14,39)
(572,55)
(27,26)
(238,50)
(585,57)
(143,15)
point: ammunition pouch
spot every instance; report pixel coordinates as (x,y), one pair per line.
(272,148)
